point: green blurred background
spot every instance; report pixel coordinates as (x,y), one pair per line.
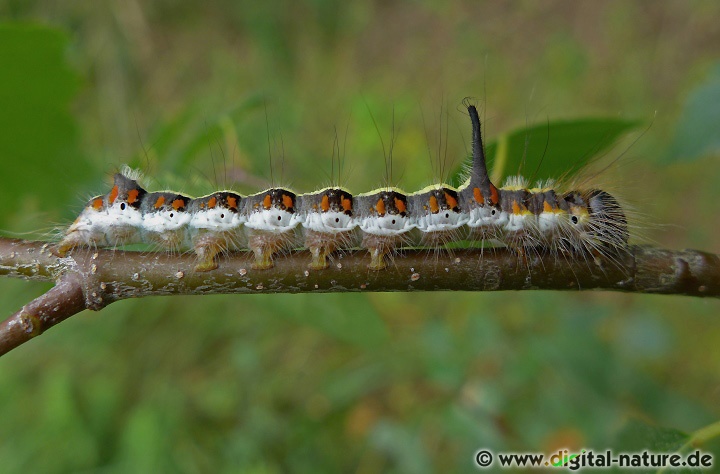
(346,382)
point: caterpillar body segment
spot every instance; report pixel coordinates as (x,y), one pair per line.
(328,223)
(271,222)
(166,220)
(123,207)
(216,227)
(110,220)
(384,220)
(551,212)
(479,197)
(515,222)
(437,215)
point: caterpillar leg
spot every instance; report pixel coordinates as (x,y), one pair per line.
(323,244)
(264,245)
(320,256)
(380,248)
(377,258)
(208,246)
(79,238)
(62,249)
(320,245)
(263,257)
(66,244)
(207,253)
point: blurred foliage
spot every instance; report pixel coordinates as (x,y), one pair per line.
(39,134)
(200,95)
(697,132)
(574,143)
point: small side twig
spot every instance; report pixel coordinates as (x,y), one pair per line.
(92,279)
(59,303)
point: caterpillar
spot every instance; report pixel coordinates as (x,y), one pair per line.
(517,215)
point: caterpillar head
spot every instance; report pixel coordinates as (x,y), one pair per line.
(597,216)
(607,218)
(577,209)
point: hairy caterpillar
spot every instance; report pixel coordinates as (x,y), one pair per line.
(589,220)
(519,216)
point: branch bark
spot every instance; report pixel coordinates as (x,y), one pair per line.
(92,279)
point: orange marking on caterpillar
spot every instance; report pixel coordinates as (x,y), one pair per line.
(380,207)
(160,201)
(347,204)
(451,201)
(479,198)
(494,196)
(325,203)
(516,207)
(232,202)
(212,202)
(400,205)
(434,208)
(267,201)
(547,207)
(287,201)
(113,194)
(133,196)
(178,204)
(97,204)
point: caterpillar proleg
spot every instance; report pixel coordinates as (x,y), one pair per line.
(541,217)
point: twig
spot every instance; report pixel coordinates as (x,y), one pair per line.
(92,279)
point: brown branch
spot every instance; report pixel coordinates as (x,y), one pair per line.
(92,279)
(59,303)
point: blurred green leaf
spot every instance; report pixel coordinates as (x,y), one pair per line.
(697,132)
(39,139)
(553,149)
(637,436)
